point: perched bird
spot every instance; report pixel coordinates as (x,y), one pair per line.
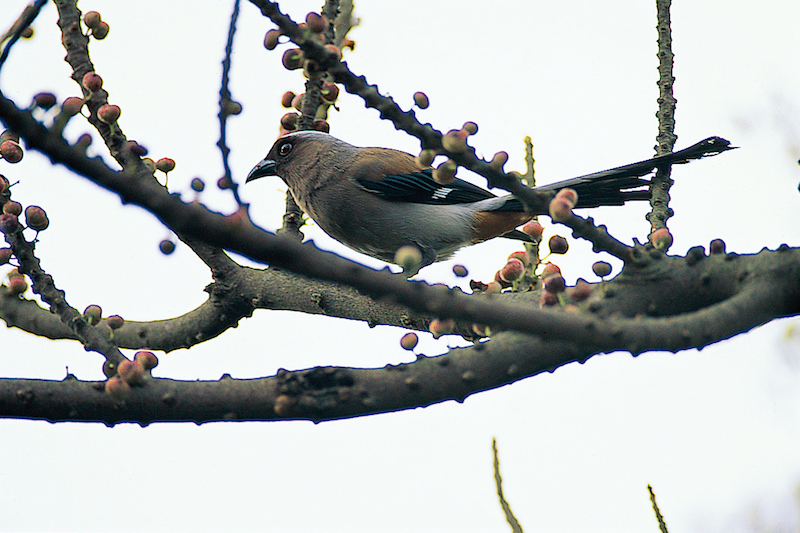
(376,200)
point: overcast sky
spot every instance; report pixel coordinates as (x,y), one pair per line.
(716,433)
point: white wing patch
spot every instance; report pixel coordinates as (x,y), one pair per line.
(441,193)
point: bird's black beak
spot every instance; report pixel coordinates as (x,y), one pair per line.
(265,168)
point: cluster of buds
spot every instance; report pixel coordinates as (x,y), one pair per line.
(95,23)
(561,206)
(128,374)
(454,141)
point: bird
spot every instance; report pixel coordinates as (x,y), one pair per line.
(377,200)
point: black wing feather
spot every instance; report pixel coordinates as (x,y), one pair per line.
(421,188)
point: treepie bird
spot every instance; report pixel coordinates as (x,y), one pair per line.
(376,200)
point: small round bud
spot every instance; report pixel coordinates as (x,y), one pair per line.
(293,59)
(316,22)
(9,135)
(717,246)
(92,82)
(460,271)
(151,165)
(92,314)
(550,269)
(27,33)
(560,210)
(409,341)
(44,100)
(329,92)
(455,141)
(421,100)
(289,121)
(409,257)
(503,283)
(558,244)
(446,172)
(661,239)
(100,31)
(92,19)
(555,284)
(286,99)
(441,327)
(601,269)
(512,271)
(229,107)
(499,160)
(5,255)
(115,321)
(148,360)
(426,157)
(9,224)
(533,229)
(72,106)
(322,125)
(271,39)
(568,195)
(11,151)
(470,128)
(109,113)
(165,165)
(521,255)
(17,285)
(36,218)
(12,208)
(198,185)
(297,101)
(166,246)
(131,371)
(117,388)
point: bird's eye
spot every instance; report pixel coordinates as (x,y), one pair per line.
(285,149)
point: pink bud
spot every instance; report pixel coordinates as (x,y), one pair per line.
(533,229)
(560,210)
(148,360)
(92,82)
(9,224)
(165,165)
(11,151)
(36,218)
(717,246)
(441,327)
(117,388)
(131,371)
(601,268)
(554,284)
(455,141)
(109,113)
(513,270)
(568,195)
(661,239)
(421,100)
(409,341)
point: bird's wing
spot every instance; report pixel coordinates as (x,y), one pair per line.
(421,188)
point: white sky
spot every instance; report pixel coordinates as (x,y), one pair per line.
(717,433)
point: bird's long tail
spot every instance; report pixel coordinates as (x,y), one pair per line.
(621,184)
